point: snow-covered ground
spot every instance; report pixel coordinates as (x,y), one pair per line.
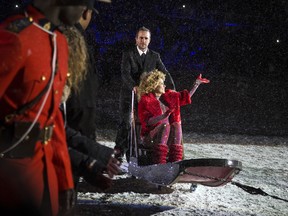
(264,167)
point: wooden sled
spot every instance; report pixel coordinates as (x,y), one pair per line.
(211,172)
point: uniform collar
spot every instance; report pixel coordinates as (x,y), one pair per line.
(35,15)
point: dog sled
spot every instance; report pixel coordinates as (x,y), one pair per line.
(211,172)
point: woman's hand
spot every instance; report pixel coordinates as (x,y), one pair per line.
(201,80)
(198,81)
(155,120)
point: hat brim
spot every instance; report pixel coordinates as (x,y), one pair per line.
(95,10)
(105,1)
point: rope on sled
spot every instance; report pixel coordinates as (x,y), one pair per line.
(255,191)
(248,189)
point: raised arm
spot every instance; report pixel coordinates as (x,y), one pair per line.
(198,81)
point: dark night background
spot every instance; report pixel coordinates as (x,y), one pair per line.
(241,46)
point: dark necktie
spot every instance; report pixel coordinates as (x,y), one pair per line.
(143,58)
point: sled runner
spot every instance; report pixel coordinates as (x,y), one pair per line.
(211,172)
(208,171)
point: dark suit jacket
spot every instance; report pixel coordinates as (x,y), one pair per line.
(132,68)
(83,151)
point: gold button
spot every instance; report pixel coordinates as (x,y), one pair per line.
(47,26)
(68,74)
(30,19)
(43,78)
(56,92)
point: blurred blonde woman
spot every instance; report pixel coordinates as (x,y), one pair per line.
(78,57)
(159,114)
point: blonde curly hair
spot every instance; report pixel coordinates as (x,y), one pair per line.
(149,82)
(78,57)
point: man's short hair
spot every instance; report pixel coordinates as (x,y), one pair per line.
(143,28)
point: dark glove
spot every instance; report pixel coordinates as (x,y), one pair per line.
(94,175)
(67,200)
(98,180)
(113,167)
(94,166)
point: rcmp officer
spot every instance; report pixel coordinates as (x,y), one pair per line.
(34,162)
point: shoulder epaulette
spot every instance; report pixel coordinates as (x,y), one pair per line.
(18,25)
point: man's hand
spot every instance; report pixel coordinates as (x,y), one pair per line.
(98,180)
(113,167)
(94,174)
(135,89)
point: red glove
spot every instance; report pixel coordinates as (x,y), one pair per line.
(201,80)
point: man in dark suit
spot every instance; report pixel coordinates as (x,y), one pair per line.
(81,106)
(134,62)
(88,157)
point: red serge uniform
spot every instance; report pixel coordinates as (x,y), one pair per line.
(149,107)
(25,69)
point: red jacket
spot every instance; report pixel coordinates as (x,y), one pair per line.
(149,107)
(25,69)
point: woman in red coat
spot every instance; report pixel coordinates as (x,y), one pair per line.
(159,114)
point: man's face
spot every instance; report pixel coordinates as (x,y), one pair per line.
(86,18)
(69,15)
(143,39)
